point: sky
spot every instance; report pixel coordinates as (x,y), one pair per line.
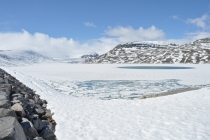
(71,28)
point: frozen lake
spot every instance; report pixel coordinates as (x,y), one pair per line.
(117,81)
(80,115)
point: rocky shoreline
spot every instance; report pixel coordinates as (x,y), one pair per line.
(169,92)
(23,115)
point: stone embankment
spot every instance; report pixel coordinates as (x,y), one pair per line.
(169,92)
(23,115)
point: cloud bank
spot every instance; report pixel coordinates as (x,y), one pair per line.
(128,34)
(68,47)
(64,47)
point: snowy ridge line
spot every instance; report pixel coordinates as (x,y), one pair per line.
(22,57)
(176,91)
(197,52)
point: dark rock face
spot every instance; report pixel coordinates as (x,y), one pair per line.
(47,133)
(29,129)
(89,56)
(10,129)
(22,111)
(5,104)
(7,112)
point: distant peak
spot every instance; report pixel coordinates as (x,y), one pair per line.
(90,55)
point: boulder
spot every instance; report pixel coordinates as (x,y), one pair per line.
(47,133)
(47,115)
(5,104)
(6,88)
(3,97)
(44,105)
(7,112)
(11,81)
(30,108)
(1,80)
(18,109)
(10,129)
(29,129)
(38,124)
(39,111)
(17,96)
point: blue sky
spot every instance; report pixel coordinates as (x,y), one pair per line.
(93,25)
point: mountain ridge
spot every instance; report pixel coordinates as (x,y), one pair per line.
(21,57)
(197,52)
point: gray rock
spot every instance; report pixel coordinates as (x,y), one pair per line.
(6,87)
(30,108)
(5,104)
(10,129)
(6,80)
(44,101)
(18,109)
(1,80)
(39,124)
(7,112)
(31,101)
(38,138)
(48,114)
(33,116)
(10,81)
(39,111)
(14,89)
(15,101)
(29,129)
(3,97)
(44,105)
(17,96)
(47,133)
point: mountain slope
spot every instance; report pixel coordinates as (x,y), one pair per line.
(89,56)
(157,52)
(19,57)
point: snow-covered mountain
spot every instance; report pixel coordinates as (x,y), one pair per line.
(19,57)
(154,52)
(90,56)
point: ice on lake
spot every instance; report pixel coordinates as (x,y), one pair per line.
(114,89)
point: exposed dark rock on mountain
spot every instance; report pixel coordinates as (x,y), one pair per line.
(197,52)
(90,56)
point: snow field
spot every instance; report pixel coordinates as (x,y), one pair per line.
(181,116)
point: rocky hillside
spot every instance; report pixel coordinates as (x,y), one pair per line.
(19,57)
(157,53)
(89,56)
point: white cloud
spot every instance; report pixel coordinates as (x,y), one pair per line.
(64,47)
(39,42)
(175,17)
(53,47)
(89,24)
(128,34)
(199,22)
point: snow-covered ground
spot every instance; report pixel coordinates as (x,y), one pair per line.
(181,116)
